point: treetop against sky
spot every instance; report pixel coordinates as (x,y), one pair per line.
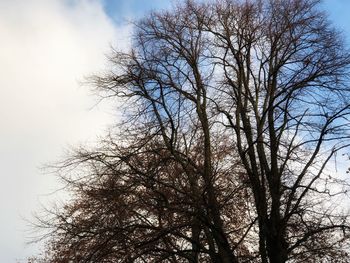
(47,48)
(233,112)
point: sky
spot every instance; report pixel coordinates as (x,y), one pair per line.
(47,48)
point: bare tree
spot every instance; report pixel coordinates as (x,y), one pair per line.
(234,111)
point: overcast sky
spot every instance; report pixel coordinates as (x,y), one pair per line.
(47,47)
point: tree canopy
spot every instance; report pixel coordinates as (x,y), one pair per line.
(233,113)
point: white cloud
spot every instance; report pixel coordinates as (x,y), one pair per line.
(47,46)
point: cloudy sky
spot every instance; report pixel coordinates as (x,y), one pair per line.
(47,47)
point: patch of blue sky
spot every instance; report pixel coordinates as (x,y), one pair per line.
(121,11)
(339,15)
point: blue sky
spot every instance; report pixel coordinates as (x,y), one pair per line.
(118,9)
(121,10)
(339,14)
(47,47)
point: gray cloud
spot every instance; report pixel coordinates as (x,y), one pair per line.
(46,48)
